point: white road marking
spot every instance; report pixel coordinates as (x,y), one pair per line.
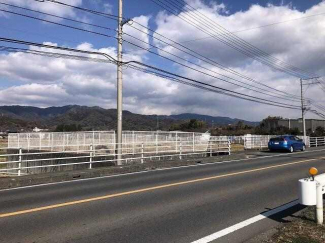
(245,223)
(151,171)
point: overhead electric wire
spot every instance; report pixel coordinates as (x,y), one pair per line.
(164,72)
(210,88)
(233,42)
(60,17)
(115,17)
(51,22)
(202,83)
(169,53)
(235,37)
(211,62)
(108,15)
(53,54)
(258,27)
(28,43)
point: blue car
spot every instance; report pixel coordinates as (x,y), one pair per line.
(287,142)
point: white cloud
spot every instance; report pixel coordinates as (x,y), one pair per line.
(48,81)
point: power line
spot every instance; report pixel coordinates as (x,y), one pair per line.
(158,71)
(169,53)
(108,16)
(233,41)
(60,17)
(218,65)
(115,17)
(258,27)
(51,22)
(28,43)
(243,42)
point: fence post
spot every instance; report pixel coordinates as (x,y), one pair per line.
(20,159)
(193,142)
(210,147)
(229,147)
(176,142)
(180,150)
(78,147)
(157,142)
(28,142)
(142,148)
(133,142)
(316,141)
(91,157)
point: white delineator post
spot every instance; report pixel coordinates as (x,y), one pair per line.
(319,203)
(311,192)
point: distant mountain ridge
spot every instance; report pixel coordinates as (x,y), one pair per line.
(95,118)
(216,120)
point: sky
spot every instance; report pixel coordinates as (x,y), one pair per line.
(290,31)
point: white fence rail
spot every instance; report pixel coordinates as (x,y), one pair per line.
(137,147)
(317,141)
(261,141)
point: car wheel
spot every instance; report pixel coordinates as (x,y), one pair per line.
(303,148)
(291,149)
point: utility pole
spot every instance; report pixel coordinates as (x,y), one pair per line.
(303,112)
(303,108)
(119,83)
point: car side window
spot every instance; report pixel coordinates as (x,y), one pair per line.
(292,138)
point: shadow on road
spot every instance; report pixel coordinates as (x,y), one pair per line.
(285,216)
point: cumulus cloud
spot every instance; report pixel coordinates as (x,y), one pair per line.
(47,81)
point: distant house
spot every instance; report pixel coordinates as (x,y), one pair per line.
(36,129)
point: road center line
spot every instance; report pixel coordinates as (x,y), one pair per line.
(4,215)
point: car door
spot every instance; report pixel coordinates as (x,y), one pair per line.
(294,143)
(300,143)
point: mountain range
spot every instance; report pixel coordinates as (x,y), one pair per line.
(18,118)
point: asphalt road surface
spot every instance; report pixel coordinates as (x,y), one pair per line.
(173,205)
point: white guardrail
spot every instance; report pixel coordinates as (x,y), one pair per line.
(41,157)
(311,192)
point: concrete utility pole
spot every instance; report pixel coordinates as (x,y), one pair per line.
(119,84)
(303,112)
(303,108)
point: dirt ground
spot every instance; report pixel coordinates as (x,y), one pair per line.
(301,230)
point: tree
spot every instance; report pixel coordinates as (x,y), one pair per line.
(68,128)
(320,131)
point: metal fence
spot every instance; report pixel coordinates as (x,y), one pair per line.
(65,141)
(41,153)
(317,141)
(261,141)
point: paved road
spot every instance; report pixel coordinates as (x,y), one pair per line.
(174,205)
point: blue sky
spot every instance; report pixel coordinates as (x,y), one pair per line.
(34,82)
(19,27)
